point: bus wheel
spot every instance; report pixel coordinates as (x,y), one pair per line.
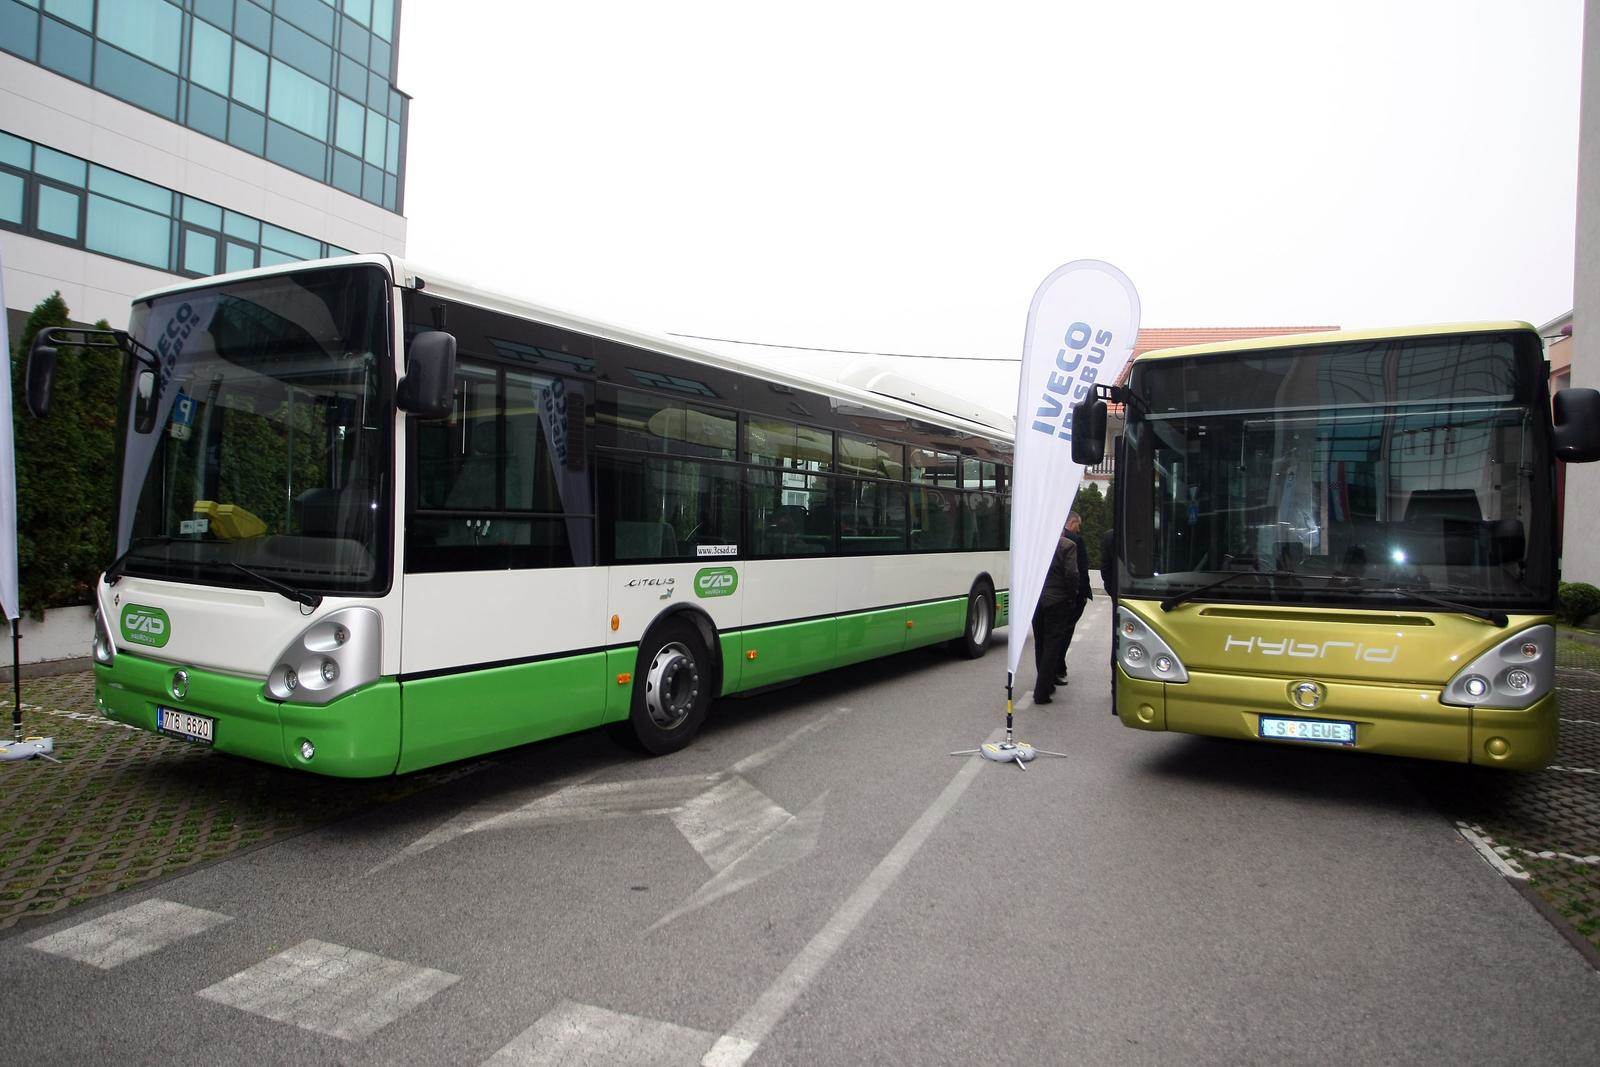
(671,689)
(974,642)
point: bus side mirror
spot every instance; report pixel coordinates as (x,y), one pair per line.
(41,376)
(1089,433)
(428,389)
(1577,425)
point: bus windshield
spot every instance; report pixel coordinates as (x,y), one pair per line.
(270,441)
(1371,473)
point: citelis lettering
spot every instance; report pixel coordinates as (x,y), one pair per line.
(1288,646)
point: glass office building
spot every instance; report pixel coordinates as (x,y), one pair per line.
(308,84)
(192,137)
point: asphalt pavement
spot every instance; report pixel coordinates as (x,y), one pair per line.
(817,881)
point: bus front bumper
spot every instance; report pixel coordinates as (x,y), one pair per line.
(354,736)
(1389,719)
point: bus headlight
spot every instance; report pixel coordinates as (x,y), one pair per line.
(1517,673)
(339,652)
(1143,654)
(104,650)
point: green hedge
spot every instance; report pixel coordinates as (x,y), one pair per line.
(66,478)
(1096,511)
(1579,600)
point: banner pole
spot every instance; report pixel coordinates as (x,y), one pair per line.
(16,677)
(1009,678)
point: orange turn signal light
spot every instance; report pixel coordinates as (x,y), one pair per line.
(616,622)
(911,624)
(624,678)
(750,654)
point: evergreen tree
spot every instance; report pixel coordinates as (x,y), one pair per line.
(66,477)
(1092,507)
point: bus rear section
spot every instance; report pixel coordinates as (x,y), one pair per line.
(1433,685)
(1345,540)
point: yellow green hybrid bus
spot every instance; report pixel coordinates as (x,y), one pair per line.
(1344,540)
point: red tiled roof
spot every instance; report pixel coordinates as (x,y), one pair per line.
(1152,339)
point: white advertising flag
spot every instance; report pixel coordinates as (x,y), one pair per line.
(8,480)
(1081,328)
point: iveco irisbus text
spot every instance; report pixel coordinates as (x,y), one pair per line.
(1345,540)
(372,521)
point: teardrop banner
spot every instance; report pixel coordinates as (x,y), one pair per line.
(1081,330)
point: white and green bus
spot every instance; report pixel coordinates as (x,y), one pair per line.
(373,521)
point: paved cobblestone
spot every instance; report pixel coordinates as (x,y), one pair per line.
(125,806)
(1546,824)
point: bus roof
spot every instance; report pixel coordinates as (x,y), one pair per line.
(1333,337)
(911,399)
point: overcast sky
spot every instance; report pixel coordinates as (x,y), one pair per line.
(900,177)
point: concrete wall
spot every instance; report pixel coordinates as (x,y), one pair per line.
(64,633)
(58,112)
(1581,562)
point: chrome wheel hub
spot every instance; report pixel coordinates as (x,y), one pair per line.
(671,686)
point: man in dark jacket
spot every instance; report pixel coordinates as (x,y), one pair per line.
(1059,606)
(1074,534)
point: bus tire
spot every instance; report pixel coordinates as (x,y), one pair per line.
(671,690)
(974,640)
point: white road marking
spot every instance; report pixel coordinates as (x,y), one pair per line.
(1583,722)
(1492,855)
(727,820)
(125,935)
(330,989)
(1592,861)
(793,840)
(1572,770)
(745,1036)
(760,759)
(580,1035)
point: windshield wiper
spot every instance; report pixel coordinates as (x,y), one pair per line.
(1173,601)
(1423,597)
(310,600)
(114,571)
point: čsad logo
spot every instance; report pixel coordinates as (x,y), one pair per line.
(145,626)
(715,581)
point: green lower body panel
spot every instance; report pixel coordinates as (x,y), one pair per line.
(619,695)
(355,736)
(928,624)
(1002,607)
(457,716)
(790,651)
(871,634)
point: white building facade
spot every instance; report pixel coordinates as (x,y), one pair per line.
(143,141)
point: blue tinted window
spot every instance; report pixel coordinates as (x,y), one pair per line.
(210,57)
(249,77)
(241,226)
(66,51)
(376,126)
(239,257)
(360,10)
(352,125)
(246,129)
(11,189)
(60,166)
(218,11)
(80,12)
(354,41)
(208,113)
(377,90)
(150,29)
(299,101)
(16,151)
(390,188)
(19,30)
(335,250)
(202,213)
(297,245)
(372,184)
(58,212)
(199,252)
(269,258)
(292,149)
(313,16)
(253,24)
(382,56)
(347,173)
(394,105)
(352,78)
(134,191)
(129,232)
(136,81)
(302,50)
(391,161)
(383,18)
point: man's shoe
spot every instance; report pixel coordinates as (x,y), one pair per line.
(1041,700)
(1061,679)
